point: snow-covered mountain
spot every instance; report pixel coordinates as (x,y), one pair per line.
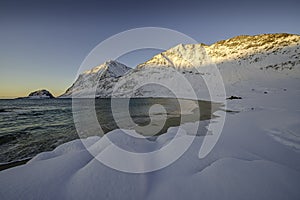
(241,58)
(104,75)
(239,49)
(238,59)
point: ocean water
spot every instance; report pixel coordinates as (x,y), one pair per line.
(28,127)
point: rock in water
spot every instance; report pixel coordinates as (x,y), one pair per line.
(40,94)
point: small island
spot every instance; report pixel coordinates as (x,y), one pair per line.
(39,94)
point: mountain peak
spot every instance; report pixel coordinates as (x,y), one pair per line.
(110,69)
(105,65)
(180,56)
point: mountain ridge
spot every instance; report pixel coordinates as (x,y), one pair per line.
(239,47)
(238,58)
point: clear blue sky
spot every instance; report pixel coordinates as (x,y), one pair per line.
(42,43)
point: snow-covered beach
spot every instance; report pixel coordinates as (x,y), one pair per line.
(256,157)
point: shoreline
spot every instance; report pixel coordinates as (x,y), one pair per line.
(4,166)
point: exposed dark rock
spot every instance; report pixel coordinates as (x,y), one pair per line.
(234,97)
(41,94)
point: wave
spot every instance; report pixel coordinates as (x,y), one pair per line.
(32,113)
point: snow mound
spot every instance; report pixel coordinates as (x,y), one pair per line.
(245,164)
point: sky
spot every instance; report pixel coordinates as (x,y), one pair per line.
(43,43)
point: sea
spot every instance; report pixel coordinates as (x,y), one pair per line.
(31,126)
